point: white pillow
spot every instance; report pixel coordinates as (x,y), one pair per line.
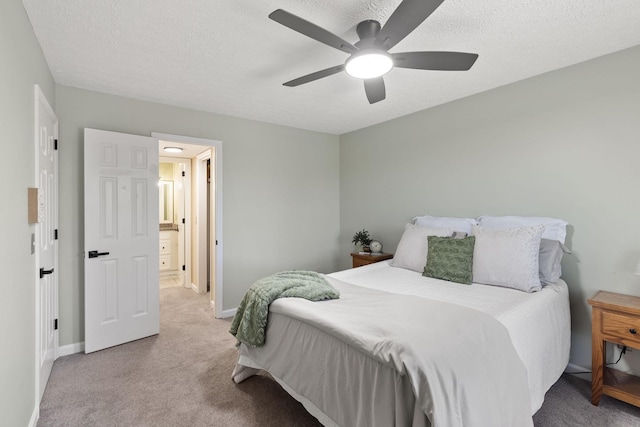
(411,252)
(551,252)
(462,225)
(508,257)
(554,229)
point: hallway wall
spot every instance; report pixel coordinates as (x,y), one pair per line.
(280,186)
(21,66)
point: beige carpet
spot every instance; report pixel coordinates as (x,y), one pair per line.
(182,378)
(169,281)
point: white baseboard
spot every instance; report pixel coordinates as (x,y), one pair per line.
(34,416)
(194,288)
(573,369)
(168,273)
(225,313)
(229,313)
(66,350)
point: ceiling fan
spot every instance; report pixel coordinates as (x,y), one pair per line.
(369,57)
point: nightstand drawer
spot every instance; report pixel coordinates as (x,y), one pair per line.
(359,262)
(358,259)
(621,326)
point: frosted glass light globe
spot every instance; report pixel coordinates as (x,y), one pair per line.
(367,65)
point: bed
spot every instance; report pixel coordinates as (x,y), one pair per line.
(361,360)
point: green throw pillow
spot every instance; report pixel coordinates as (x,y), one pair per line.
(450,259)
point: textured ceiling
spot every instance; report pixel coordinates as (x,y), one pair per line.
(227,57)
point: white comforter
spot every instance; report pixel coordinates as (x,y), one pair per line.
(403,379)
(539,323)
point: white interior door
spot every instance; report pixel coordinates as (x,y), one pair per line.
(121,238)
(46,242)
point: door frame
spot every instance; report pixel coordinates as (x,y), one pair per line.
(41,99)
(204,193)
(216,250)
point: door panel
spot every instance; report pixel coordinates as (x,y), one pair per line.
(121,225)
(47,288)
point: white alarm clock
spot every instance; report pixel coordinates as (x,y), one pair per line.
(375,246)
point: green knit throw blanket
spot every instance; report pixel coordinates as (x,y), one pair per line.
(250,322)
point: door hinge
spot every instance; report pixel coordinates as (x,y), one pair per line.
(55,234)
(183,174)
(55,324)
(184,268)
(183,221)
(216,243)
(55,144)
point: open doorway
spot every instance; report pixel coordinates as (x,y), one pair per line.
(174,187)
(195,222)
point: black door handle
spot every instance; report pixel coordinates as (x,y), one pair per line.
(43,272)
(96,254)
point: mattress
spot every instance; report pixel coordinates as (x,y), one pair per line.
(538,325)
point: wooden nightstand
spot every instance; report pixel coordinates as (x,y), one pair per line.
(361,259)
(616,319)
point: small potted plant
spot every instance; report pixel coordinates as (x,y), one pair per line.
(362,238)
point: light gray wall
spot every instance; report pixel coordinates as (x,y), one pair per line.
(21,66)
(280,191)
(564,144)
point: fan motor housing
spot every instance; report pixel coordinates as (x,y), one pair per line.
(368,29)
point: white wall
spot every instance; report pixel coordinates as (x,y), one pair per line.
(280,189)
(21,66)
(565,144)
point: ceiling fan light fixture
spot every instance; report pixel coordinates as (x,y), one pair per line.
(369,64)
(370,58)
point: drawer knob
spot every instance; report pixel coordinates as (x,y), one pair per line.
(633,331)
